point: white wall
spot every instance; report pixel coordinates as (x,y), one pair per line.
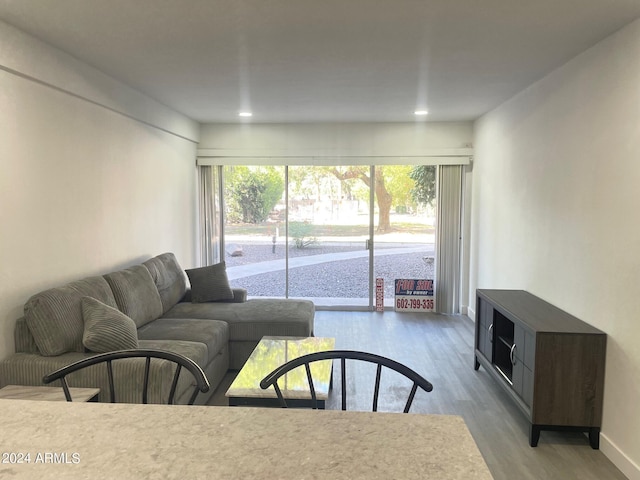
(93,175)
(555,198)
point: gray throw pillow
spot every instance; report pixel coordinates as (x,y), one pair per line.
(106,329)
(210,284)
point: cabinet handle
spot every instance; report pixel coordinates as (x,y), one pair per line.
(512,355)
(491,333)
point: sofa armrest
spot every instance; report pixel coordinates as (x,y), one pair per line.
(239,296)
(24,341)
(29,368)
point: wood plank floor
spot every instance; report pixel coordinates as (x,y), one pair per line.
(441,349)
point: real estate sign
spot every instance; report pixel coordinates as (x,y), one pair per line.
(379,294)
(414,295)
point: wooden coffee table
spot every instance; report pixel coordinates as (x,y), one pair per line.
(270,353)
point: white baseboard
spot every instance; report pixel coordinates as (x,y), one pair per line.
(471,313)
(627,466)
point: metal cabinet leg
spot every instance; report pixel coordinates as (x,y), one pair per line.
(594,437)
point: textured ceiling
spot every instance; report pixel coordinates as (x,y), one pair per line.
(324,60)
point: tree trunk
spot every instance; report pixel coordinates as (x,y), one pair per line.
(384,199)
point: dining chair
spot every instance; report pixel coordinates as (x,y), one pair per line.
(179,362)
(343,356)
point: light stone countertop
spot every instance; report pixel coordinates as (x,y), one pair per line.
(121,441)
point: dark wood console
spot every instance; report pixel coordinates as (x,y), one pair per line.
(550,363)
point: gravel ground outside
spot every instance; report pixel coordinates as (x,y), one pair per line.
(341,279)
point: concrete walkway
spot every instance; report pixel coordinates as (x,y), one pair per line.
(242,271)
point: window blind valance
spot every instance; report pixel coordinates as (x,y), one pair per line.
(439,157)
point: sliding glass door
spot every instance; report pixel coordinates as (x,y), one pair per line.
(327,233)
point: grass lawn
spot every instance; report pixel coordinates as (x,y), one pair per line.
(324,230)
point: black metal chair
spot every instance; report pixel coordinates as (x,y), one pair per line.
(180,361)
(343,355)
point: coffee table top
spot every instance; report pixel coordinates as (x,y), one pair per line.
(269,354)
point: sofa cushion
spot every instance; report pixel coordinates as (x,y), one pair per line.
(196,351)
(214,334)
(255,318)
(106,328)
(209,284)
(136,294)
(54,316)
(169,278)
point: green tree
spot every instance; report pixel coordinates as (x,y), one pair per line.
(399,184)
(393,185)
(253,192)
(424,189)
(383,197)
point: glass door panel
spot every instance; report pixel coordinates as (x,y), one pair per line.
(404,238)
(328,229)
(254,224)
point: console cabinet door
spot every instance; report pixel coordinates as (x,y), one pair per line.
(523,363)
(485,330)
(527,386)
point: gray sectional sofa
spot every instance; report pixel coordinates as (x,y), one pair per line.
(155,296)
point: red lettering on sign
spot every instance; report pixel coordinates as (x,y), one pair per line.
(404,285)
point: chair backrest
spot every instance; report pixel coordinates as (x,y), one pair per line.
(343,355)
(180,361)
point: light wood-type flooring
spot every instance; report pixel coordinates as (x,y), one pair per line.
(440,347)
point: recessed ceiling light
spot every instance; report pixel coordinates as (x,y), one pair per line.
(421,112)
(245,114)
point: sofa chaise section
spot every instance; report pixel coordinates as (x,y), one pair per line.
(248,320)
(251,320)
